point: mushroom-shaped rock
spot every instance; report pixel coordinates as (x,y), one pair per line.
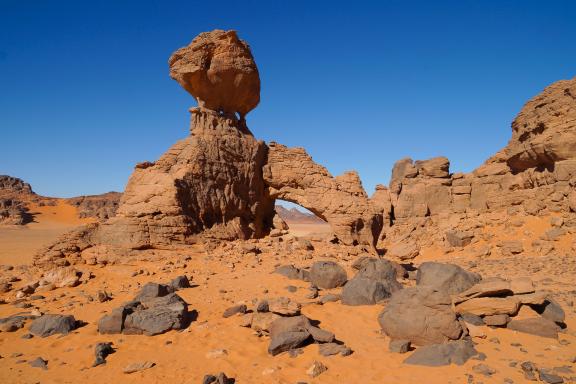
(218,69)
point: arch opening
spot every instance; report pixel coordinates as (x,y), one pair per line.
(300,220)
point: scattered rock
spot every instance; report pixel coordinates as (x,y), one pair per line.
(102,350)
(39,363)
(316,369)
(330,349)
(549,378)
(283,306)
(47,325)
(435,355)
(137,367)
(399,346)
(235,310)
(327,275)
(535,326)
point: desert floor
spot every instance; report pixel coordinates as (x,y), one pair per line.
(185,357)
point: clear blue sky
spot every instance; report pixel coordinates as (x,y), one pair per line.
(85,92)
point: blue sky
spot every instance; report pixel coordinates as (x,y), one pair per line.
(85,92)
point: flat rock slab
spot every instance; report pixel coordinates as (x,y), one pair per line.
(137,367)
(488,306)
(535,326)
(436,355)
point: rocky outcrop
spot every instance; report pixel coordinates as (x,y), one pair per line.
(14,185)
(101,207)
(534,174)
(13,210)
(292,175)
(544,132)
(220,182)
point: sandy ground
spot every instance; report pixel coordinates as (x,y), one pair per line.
(301,229)
(18,243)
(184,357)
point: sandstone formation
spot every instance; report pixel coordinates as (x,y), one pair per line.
(13,210)
(220,182)
(218,69)
(534,174)
(292,175)
(98,206)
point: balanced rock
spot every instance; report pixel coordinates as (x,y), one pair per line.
(218,69)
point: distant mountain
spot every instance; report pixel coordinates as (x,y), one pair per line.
(294,215)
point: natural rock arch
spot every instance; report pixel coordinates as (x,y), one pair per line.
(292,175)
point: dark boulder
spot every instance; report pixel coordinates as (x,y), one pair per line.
(327,275)
(448,278)
(47,325)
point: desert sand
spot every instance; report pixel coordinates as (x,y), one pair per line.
(187,355)
(19,243)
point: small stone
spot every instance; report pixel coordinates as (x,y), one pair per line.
(103,296)
(140,366)
(549,378)
(291,288)
(39,363)
(216,353)
(316,369)
(101,351)
(399,346)
(483,369)
(235,310)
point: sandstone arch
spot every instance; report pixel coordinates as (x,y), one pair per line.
(292,175)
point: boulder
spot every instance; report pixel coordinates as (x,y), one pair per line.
(157,315)
(149,317)
(47,325)
(287,333)
(363,291)
(327,275)
(62,277)
(421,315)
(375,282)
(448,278)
